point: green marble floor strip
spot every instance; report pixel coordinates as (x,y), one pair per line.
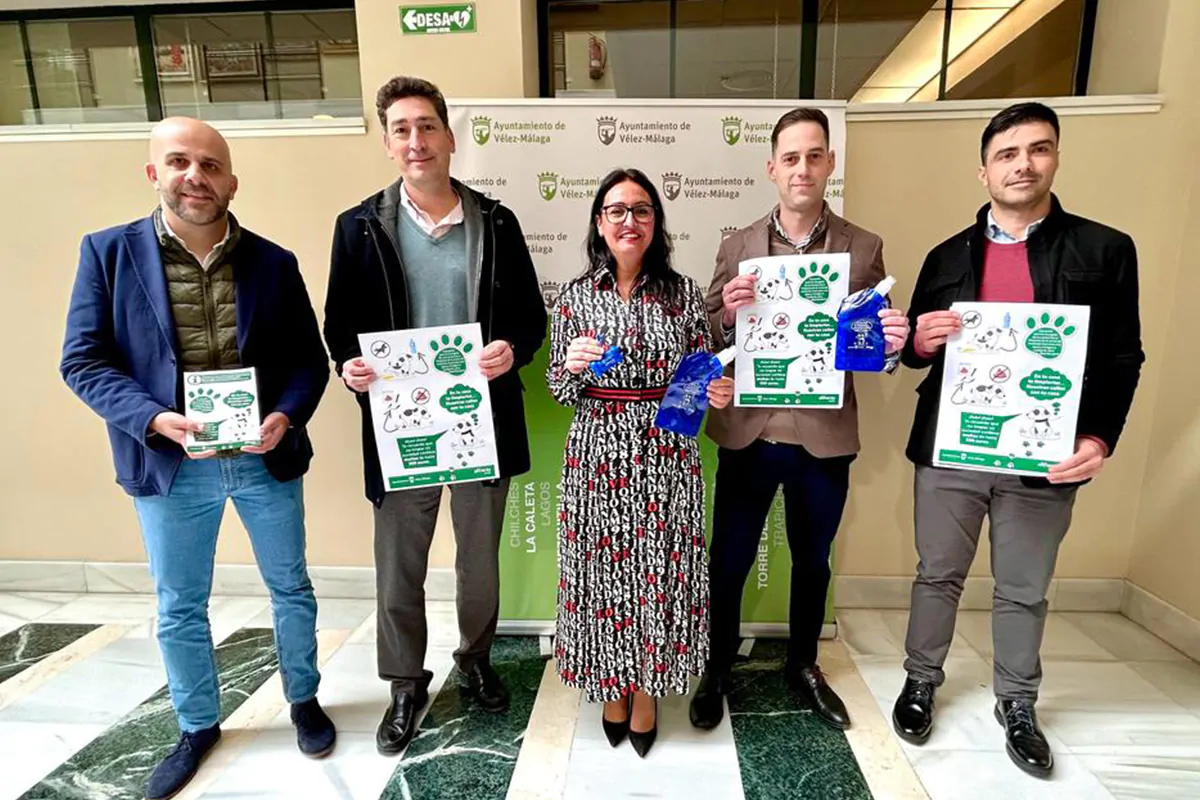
(116,765)
(462,751)
(33,642)
(783,750)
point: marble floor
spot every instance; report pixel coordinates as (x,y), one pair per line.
(83,714)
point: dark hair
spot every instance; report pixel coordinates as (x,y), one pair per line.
(1011,117)
(796,116)
(404,86)
(661,280)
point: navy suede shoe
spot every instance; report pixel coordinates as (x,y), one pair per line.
(315,733)
(181,764)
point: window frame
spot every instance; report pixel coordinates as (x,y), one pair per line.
(143,23)
(809,25)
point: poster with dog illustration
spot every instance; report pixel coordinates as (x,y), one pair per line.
(430,406)
(225,402)
(1011,387)
(786,338)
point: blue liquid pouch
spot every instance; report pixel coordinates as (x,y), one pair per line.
(682,408)
(613,355)
(861,346)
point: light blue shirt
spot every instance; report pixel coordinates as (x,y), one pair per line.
(998,235)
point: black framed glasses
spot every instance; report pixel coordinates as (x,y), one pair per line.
(617,213)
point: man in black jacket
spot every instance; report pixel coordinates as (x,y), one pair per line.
(428,251)
(1023,247)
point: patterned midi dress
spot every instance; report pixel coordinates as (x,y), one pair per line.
(633,588)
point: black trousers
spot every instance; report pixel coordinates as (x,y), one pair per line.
(814,494)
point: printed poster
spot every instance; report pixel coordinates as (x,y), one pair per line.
(430,406)
(226,402)
(787,339)
(1011,387)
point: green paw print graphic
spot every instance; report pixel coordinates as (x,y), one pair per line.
(814,282)
(449,356)
(1046,339)
(203,400)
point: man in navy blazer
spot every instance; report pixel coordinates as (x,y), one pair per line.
(187,290)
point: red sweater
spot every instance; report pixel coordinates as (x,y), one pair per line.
(1006,277)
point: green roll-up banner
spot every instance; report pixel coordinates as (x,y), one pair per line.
(544,159)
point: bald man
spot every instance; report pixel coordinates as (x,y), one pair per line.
(188,290)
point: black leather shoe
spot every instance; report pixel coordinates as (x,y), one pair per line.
(615,732)
(1027,746)
(182,763)
(642,741)
(707,708)
(400,721)
(486,687)
(315,734)
(912,716)
(810,683)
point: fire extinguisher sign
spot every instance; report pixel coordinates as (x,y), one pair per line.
(453,18)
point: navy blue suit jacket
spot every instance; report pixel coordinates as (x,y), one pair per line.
(120,355)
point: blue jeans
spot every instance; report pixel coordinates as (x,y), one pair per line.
(180,532)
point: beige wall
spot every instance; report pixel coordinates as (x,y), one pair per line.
(912,181)
(1166,549)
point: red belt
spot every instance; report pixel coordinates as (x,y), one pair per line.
(628,395)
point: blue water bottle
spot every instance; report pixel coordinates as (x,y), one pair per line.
(861,346)
(682,408)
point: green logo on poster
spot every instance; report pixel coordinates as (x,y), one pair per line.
(814,286)
(731,130)
(481,130)
(1046,340)
(450,358)
(548,185)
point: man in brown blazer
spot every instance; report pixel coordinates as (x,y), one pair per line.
(807,451)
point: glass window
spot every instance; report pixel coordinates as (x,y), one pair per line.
(738,49)
(258,65)
(612,49)
(862,51)
(84,70)
(1028,53)
(16,102)
(872,51)
(290,64)
(865,49)
(714,49)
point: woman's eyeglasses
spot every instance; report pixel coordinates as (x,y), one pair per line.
(617,213)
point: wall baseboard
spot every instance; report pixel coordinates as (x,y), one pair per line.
(1162,619)
(850,591)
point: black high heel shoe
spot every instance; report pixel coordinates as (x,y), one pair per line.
(616,731)
(643,741)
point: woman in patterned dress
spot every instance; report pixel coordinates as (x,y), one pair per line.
(633,589)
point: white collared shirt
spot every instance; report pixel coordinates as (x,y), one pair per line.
(995,233)
(435,228)
(213,254)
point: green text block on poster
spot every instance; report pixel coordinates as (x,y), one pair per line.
(450,18)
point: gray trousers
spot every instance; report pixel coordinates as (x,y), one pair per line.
(404,527)
(1027,526)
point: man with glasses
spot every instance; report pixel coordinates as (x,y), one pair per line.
(429,251)
(808,452)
